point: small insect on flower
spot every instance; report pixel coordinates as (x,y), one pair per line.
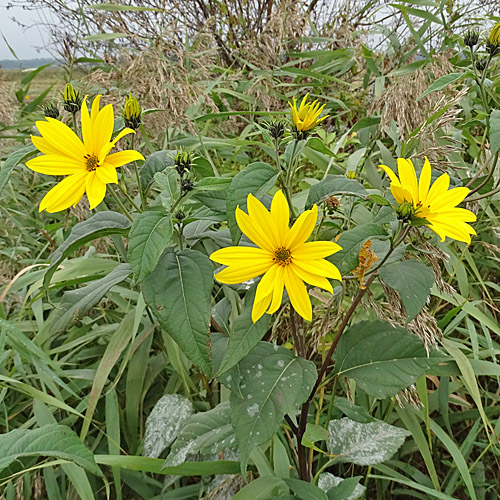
(282,254)
(436,205)
(73,99)
(132,113)
(88,164)
(306,117)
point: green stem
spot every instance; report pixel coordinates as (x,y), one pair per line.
(75,126)
(488,177)
(119,202)
(138,178)
(129,198)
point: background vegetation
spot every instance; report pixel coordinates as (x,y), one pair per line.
(397,80)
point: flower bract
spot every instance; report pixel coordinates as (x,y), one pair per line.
(88,164)
(307,115)
(436,204)
(282,255)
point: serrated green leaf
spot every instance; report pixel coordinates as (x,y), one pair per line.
(51,440)
(179,293)
(100,224)
(206,433)
(257,179)
(334,185)
(382,358)
(149,235)
(155,162)
(494,132)
(272,382)
(413,281)
(351,242)
(245,335)
(364,444)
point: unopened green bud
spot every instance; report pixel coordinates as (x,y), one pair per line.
(50,110)
(72,99)
(184,161)
(471,38)
(351,174)
(132,112)
(187,185)
(405,211)
(481,63)
(276,129)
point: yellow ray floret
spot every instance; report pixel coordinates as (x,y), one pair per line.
(88,164)
(282,255)
(307,115)
(437,204)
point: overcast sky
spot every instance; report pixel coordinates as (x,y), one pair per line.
(24,42)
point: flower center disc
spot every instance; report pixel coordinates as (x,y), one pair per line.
(282,256)
(92,162)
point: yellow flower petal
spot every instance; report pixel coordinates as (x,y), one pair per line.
(450,198)
(316,250)
(258,214)
(408,177)
(88,136)
(441,184)
(102,128)
(321,267)
(280,214)
(253,232)
(55,165)
(241,255)
(424,182)
(302,229)
(297,292)
(123,157)
(239,273)
(65,194)
(107,174)
(392,176)
(312,279)
(109,146)
(96,189)
(279,284)
(44,146)
(61,137)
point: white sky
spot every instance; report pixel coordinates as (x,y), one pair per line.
(24,42)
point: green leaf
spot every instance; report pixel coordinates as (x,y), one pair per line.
(367,121)
(179,293)
(313,434)
(260,489)
(413,281)
(257,179)
(168,181)
(378,199)
(245,335)
(51,440)
(149,235)
(155,162)
(494,133)
(341,489)
(206,433)
(382,358)
(105,36)
(351,242)
(77,303)
(305,491)
(13,161)
(271,382)
(364,444)
(168,416)
(333,185)
(155,465)
(99,225)
(441,83)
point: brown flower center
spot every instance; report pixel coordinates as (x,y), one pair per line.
(282,256)
(92,162)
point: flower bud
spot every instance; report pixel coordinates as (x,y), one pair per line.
(72,99)
(481,63)
(471,38)
(184,161)
(351,174)
(405,211)
(187,185)
(494,38)
(276,129)
(132,112)
(50,110)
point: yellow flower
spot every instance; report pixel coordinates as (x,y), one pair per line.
(495,35)
(282,254)
(132,112)
(88,164)
(306,117)
(436,204)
